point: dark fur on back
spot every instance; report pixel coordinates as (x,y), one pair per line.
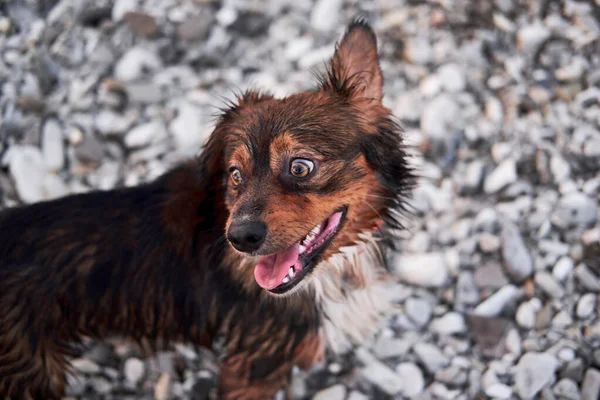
(152,262)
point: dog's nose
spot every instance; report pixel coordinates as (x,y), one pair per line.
(247,236)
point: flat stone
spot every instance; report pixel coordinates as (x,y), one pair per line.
(503,175)
(426,269)
(590,388)
(336,392)
(195,28)
(143,135)
(534,372)
(586,305)
(493,305)
(431,356)
(53,147)
(413,379)
(449,324)
(141,23)
(418,310)
(517,259)
(548,284)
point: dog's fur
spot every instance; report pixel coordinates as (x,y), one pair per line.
(153,262)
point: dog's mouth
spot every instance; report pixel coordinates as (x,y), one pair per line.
(282,271)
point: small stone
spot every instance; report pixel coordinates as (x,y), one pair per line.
(450,324)
(27,169)
(452,77)
(86,366)
(426,269)
(503,175)
(440,116)
(490,276)
(590,388)
(525,315)
(188,129)
(355,395)
(547,283)
(567,389)
(386,347)
(195,28)
(325,15)
(379,374)
(143,135)
(575,209)
(563,268)
(141,23)
(587,278)
(432,357)
(574,370)
(134,370)
(53,148)
(336,392)
(489,243)
(474,175)
(466,289)
(418,50)
(534,372)
(121,7)
(513,342)
(562,320)
(591,148)
(494,304)
(517,259)
(418,310)
(499,391)
(531,36)
(586,305)
(135,63)
(560,168)
(413,379)
(100,385)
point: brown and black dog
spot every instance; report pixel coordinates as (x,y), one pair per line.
(269,239)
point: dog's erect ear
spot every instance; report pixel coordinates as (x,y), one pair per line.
(354,69)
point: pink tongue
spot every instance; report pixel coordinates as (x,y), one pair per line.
(270,270)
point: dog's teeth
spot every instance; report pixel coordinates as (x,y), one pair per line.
(291,273)
(301,249)
(285,280)
(315,231)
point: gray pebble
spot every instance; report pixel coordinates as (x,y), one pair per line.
(493,305)
(431,356)
(449,324)
(548,284)
(590,388)
(534,372)
(425,269)
(135,63)
(517,259)
(412,377)
(336,392)
(503,175)
(143,135)
(586,305)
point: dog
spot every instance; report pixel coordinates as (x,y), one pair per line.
(272,238)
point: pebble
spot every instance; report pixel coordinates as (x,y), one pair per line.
(563,268)
(135,63)
(86,366)
(590,388)
(53,148)
(452,78)
(587,278)
(586,305)
(450,324)
(489,243)
(531,36)
(27,168)
(440,116)
(121,7)
(525,315)
(425,269)
(548,284)
(503,175)
(143,135)
(499,391)
(493,305)
(418,310)
(134,370)
(575,209)
(141,23)
(418,50)
(336,392)
(567,389)
(195,28)
(325,15)
(431,356)
(380,374)
(534,372)
(162,389)
(517,259)
(188,129)
(412,378)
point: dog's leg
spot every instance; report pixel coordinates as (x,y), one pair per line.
(32,356)
(258,367)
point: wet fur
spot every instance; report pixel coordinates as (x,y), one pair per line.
(152,263)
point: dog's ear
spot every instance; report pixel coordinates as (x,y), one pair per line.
(354,69)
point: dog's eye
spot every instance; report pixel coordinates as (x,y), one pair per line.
(301,168)
(235,176)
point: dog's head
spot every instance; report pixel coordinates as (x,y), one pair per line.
(307,174)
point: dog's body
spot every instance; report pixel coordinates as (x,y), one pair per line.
(179,259)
